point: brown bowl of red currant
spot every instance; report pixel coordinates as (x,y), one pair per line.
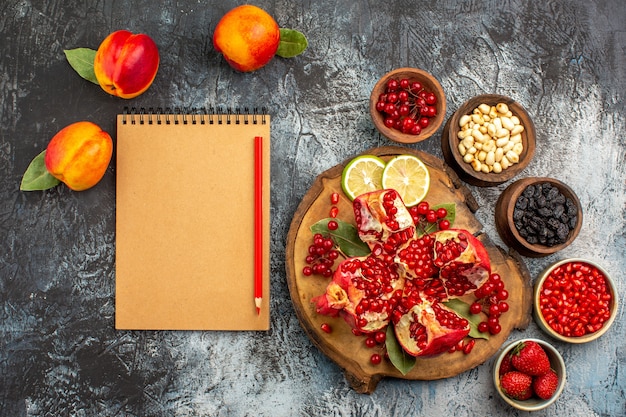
(407,105)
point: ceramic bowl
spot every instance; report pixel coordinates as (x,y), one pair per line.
(429,83)
(472,172)
(505,217)
(535,403)
(576,264)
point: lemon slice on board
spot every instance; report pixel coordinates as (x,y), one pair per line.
(362,175)
(408,175)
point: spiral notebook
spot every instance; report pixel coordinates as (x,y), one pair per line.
(185,220)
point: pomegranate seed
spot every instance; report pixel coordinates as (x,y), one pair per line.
(574,299)
(469,346)
(334,211)
(326,328)
(334,198)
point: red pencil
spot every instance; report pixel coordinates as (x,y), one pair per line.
(258,222)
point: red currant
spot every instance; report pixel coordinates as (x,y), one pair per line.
(333,225)
(476,308)
(370,342)
(444,224)
(441,213)
(423,207)
(431,216)
(376,359)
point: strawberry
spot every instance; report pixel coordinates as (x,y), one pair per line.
(506,365)
(545,385)
(530,358)
(517,385)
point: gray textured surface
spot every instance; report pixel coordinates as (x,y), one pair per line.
(59,353)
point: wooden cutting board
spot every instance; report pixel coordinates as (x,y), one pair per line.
(349,351)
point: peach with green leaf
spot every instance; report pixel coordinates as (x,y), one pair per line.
(78,155)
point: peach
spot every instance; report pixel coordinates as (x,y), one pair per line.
(79,154)
(126,63)
(248,37)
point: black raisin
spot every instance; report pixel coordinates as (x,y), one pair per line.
(559,199)
(545,212)
(521,203)
(529,191)
(562,232)
(558,210)
(541,201)
(571,207)
(552,193)
(553,223)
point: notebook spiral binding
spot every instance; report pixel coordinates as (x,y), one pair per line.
(212,115)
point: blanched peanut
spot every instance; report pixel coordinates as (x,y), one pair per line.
(507,123)
(500,133)
(501,142)
(490,138)
(512,156)
(499,153)
(517,129)
(484,108)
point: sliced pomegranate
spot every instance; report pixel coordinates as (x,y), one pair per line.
(383,221)
(462,260)
(428,327)
(416,257)
(364,291)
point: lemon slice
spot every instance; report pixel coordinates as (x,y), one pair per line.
(408,175)
(362,175)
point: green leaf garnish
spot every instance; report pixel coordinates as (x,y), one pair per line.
(398,357)
(292,43)
(463,309)
(81,59)
(346,236)
(37,177)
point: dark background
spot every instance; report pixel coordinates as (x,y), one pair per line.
(59,352)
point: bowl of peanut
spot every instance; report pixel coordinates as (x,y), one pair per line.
(488,140)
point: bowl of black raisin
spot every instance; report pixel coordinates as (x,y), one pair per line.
(538,216)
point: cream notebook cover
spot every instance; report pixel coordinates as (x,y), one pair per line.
(185,212)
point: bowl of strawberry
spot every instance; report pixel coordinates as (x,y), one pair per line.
(575,300)
(529,374)
(407,105)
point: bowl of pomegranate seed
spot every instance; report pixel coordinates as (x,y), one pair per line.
(407,105)
(538,216)
(575,300)
(488,140)
(529,374)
